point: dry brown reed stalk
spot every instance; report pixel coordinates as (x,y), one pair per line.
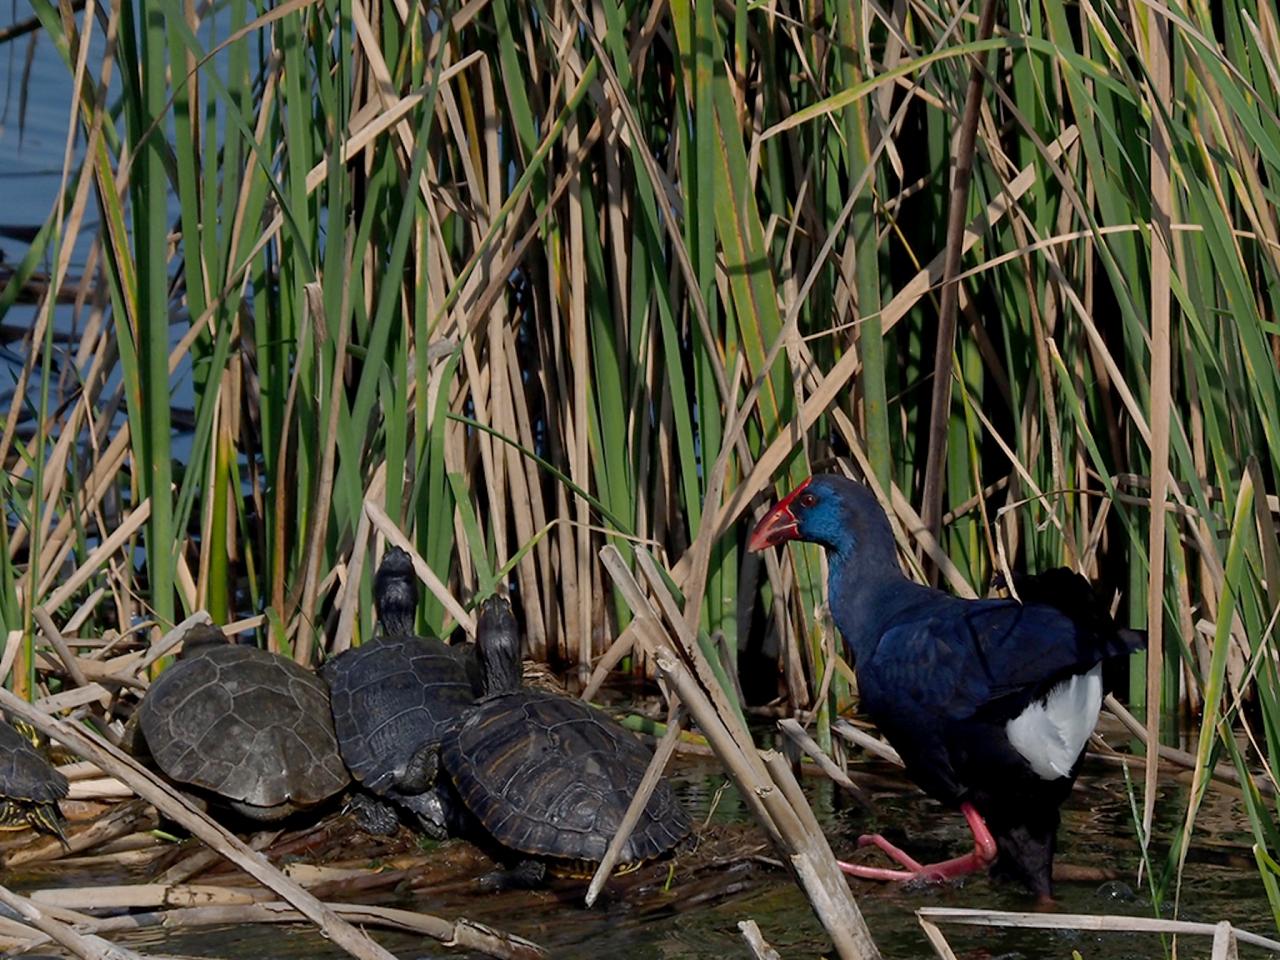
(797,734)
(1223,933)
(86,947)
(349,596)
(100,788)
(771,793)
(756,942)
(134,851)
(201,860)
(147,895)
(1221,772)
(69,660)
(961,176)
(459,934)
(871,744)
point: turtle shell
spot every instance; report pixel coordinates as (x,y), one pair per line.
(391,698)
(246,724)
(549,776)
(26,777)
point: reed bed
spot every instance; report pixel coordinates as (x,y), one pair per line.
(516,282)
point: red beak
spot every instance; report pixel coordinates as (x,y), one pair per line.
(779,524)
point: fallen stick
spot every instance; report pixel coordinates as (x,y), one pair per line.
(151,896)
(85,947)
(102,788)
(202,860)
(463,934)
(69,660)
(1099,923)
(172,804)
(131,856)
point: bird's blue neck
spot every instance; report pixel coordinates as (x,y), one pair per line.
(865,590)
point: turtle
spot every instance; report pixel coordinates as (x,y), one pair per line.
(30,787)
(245,725)
(546,777)
(392,700)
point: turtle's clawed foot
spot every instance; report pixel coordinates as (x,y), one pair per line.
(526,875)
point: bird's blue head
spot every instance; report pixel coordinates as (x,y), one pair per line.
(839,514)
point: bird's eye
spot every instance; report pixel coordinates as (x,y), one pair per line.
(807,499)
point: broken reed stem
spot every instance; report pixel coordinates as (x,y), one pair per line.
(1181,757)
(792,728)
(860,738)
(51,633)
(201,860)
(688,642)
(756,942)
(167,643)
(172,804)
(85,947)
(776,806)
(652,776)
(651,634)
(958,205)
(1224,942)
(620,647)
(840,906)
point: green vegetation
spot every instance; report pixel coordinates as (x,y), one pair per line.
(682,254)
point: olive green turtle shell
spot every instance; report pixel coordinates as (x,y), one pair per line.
(246,724)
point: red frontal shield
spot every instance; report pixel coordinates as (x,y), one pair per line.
(779,524)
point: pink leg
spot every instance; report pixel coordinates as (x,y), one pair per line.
(983,853)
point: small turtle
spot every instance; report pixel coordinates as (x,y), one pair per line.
(243,724)
(549,777)
(392,700)
(30,787)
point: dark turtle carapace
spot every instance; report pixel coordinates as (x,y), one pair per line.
(393,699)
(245,725)
(548,777)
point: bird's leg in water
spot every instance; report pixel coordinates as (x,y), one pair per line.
(981,857)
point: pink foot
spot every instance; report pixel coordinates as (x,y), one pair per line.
(984,852)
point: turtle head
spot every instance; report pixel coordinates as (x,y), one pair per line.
(395,593)
(498,645)
(200,637)
(29,733)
